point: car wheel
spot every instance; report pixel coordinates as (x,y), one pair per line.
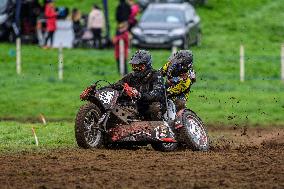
(203,2)
(185,42)
(198,39)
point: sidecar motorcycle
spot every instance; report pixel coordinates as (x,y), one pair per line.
(110,117)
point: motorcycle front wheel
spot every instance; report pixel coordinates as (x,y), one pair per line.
(193,133)
(87,133)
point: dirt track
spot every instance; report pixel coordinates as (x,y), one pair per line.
(252,158)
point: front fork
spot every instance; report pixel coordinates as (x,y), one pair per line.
(103,121)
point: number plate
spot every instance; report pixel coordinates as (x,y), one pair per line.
(154,40)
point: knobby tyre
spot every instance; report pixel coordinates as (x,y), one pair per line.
(193,133)
(87,133)
(165,147)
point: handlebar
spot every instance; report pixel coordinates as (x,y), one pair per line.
(98,85)
(130,91)
(126,89)
(95,86)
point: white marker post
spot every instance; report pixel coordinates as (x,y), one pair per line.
(282,62)
(60,63)
(42,119)
(174,49)
(36,139)
(242,64)
(18,56)
(121,57)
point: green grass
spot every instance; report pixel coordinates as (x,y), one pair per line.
(19,137)
(218,96)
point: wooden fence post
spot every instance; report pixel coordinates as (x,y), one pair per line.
(18,56)
(121,57)
(242,64)
(282,62)
(60,63)
(174,49)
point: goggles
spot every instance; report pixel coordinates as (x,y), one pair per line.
(178,69)
(138,67)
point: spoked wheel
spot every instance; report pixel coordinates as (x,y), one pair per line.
(87,132)
(194,133)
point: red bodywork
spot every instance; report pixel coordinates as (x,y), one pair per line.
(84,95)
(142,131)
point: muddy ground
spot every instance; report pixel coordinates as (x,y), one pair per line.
(239,158)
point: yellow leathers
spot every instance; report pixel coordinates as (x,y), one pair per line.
(177,86)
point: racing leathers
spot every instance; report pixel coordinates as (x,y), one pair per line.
(149,83)
(178,82)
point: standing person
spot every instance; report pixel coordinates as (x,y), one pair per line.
(76,20)
(50,15)
(96,23)
(132,20)
(121,34)
(77,26)
(123,11)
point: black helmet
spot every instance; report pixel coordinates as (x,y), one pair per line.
(184,56)
(181,62)
(141,57)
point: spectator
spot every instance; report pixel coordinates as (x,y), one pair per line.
(121,34)
(76,20)
(132,20)
(122,12)
(30,10)
(50,15)
(45,2)
(96,23)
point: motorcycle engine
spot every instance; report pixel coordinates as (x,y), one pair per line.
(126,114)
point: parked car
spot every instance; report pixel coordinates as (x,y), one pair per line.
(167,25)
(144,3)
(7,15)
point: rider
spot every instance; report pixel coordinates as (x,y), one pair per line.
(180,76)
(149,84)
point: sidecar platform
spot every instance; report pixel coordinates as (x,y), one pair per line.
(143,131)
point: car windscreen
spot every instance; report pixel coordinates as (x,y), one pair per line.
(163,16)
(3,5)
(171,1)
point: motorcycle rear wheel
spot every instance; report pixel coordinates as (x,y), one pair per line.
(165,147)
(193,133)
(86,133)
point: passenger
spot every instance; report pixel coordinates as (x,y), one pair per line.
(180,76)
